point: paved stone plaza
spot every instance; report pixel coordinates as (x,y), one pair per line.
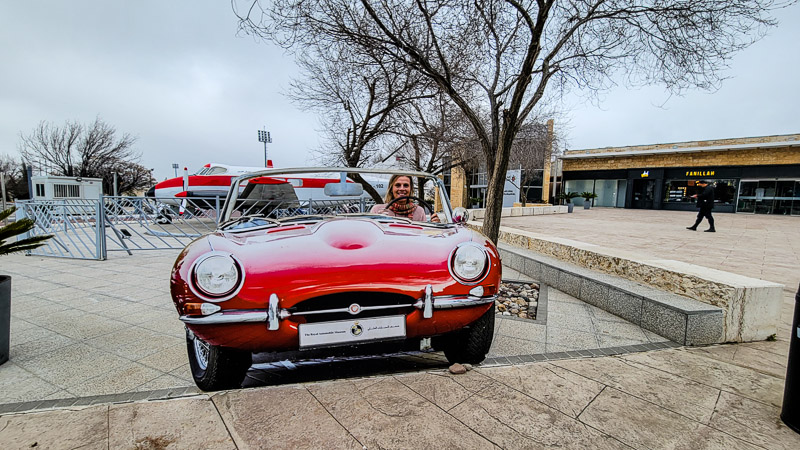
(718,396)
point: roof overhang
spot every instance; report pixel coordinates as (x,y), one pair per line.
(667,151)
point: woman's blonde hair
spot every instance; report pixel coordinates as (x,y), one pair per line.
(390,192)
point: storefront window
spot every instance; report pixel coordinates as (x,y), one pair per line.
(681,191)
(579,186)
(770,197)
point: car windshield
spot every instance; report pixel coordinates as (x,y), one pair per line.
(273,197)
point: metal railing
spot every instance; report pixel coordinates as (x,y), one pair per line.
(89,229)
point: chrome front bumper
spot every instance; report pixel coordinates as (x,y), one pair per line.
(274,314)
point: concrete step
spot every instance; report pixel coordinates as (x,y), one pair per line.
(678,318)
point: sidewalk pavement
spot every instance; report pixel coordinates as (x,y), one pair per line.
(727,395)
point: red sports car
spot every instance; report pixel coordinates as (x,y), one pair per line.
(282,273)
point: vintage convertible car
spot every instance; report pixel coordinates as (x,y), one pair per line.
(286,274)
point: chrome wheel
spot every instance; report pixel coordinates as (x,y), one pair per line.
(214,367)
(201,350)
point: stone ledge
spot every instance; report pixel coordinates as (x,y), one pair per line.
(751,307)
(680,319)
(479,213)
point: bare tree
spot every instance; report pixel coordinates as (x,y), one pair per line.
(94,150)
(501,55)
(530,152)
(427,131)
(356,95)
(16,178)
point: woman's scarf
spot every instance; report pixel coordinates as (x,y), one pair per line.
(406,210)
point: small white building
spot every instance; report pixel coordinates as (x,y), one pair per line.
(52,187)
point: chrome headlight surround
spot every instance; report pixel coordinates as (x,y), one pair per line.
(227,267)
(469,263)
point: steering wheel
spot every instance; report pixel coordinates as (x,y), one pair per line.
(425,205)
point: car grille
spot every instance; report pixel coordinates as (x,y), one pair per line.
(390,304)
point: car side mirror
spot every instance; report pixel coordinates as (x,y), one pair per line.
(460,215)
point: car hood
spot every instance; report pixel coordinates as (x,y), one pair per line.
(354,254)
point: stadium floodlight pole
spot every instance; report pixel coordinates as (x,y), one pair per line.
(175,168)
(264,136)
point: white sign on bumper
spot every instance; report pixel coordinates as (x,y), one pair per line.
(351,331)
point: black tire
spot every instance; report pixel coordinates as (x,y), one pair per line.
(471,344)
(214,367)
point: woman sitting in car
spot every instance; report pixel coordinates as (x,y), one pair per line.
(402,186)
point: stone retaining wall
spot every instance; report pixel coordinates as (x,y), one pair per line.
(680,319)
(751,307)
(479,213)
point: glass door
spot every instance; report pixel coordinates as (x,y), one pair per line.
(606,191)
(622,189)
(643,194)
(796,199)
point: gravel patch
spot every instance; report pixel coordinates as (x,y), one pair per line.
(518,299)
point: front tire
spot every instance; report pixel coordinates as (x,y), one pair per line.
(214,367)
(471,344)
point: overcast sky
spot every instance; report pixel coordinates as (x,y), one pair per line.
(174,74)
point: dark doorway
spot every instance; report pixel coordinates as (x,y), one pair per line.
(643,194)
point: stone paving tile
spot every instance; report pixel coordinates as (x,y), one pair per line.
(368,406)
(523,329)
(30,335)
(184,423)
(83,428)
(561,307)
(85,326)
(254,421)
(582,323)
(118,380)
(754,422)
(679,395)
(34,313)
(719,374)
(20,385)
(571,338)
(642,424)
(135,343)
(509,346)
(444,389)
(558,348)
(619,329)
(511,419)
(168,359)
(59,367)
(565,391)
(163,382)
(26,349)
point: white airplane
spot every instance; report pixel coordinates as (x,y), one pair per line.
(214,180)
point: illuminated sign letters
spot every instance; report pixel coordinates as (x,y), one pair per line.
(645,174)
(699,173)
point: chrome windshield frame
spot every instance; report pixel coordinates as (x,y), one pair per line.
(233,191)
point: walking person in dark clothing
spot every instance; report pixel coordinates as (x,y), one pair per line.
(705,201)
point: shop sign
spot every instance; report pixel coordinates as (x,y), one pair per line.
(699,173)
(511,188)
(645,174)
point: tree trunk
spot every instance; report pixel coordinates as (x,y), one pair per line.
(367,187)
(494,207)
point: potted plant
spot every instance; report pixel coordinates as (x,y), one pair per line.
(587,197)
(8,231)
(567,197)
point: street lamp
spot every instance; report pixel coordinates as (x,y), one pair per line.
(263,136)
(175,168)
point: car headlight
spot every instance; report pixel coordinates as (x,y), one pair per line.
(217,276)
(469,262)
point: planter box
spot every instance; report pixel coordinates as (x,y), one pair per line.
(5,316)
